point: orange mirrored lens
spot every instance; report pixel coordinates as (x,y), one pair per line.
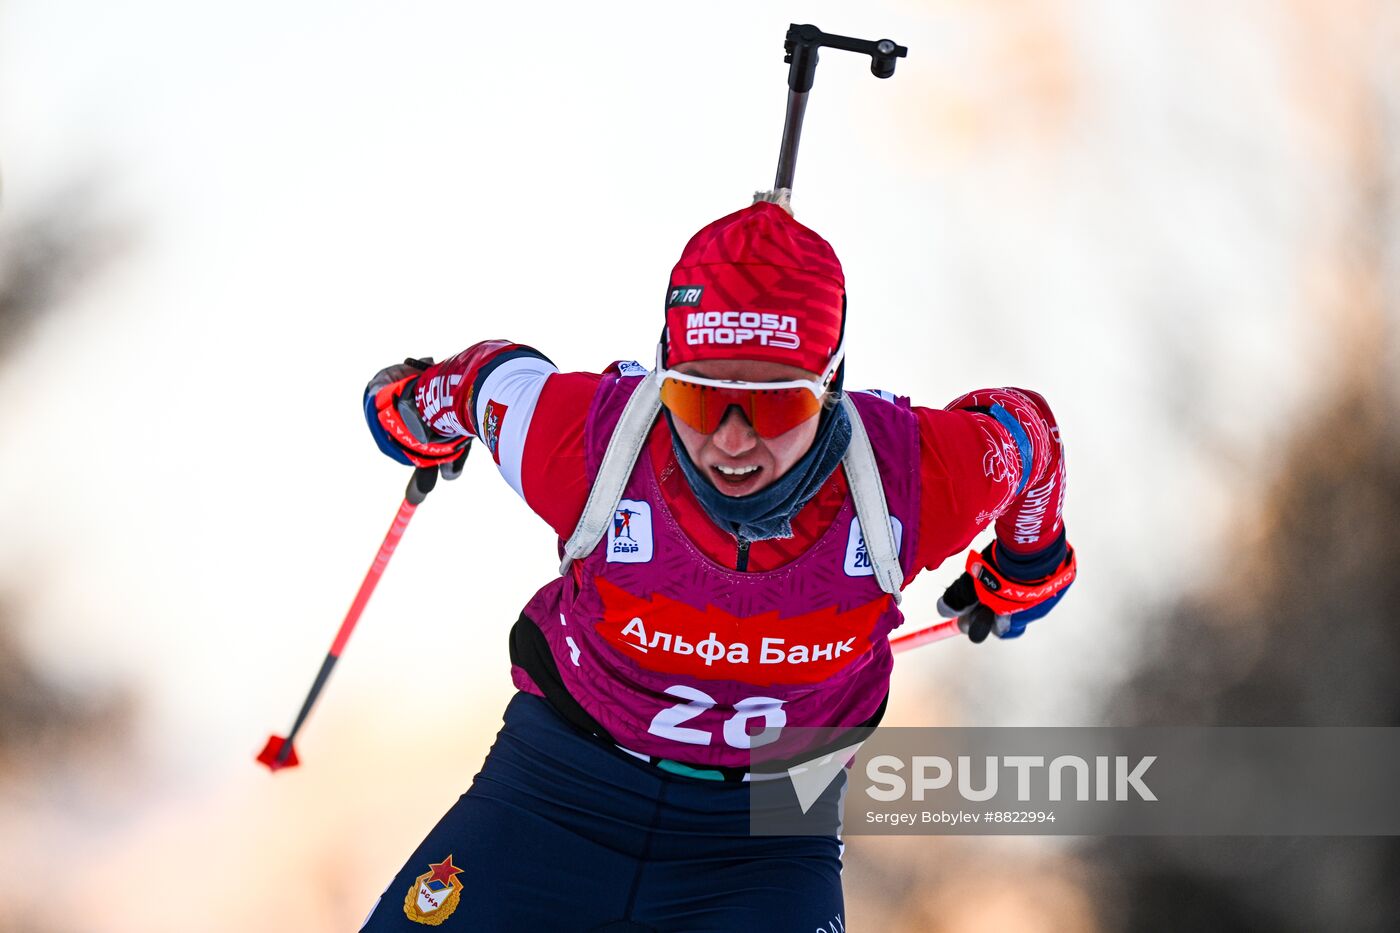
(770,411)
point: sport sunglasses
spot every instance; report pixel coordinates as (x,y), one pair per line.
(773,408)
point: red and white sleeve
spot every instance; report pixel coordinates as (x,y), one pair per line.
(992,455)
(527,414)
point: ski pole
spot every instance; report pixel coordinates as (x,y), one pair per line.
(801,46)
(942,630)
(279,753)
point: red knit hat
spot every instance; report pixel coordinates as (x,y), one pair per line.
(756,285)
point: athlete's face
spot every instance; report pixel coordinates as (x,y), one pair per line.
(734,457)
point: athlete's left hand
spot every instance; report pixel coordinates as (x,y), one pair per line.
(1002,592)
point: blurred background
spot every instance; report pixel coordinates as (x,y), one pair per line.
(1178,220)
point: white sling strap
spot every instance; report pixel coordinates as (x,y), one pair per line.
(863,476)
(618,460)
(628,438)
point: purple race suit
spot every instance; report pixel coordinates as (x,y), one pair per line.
(657,647)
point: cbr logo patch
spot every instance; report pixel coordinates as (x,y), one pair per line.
(495,417)
(629,536)
(435,894)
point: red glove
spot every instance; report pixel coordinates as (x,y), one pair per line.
(399,432)
(998,596)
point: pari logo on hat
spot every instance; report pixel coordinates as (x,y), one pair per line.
(756,285)
(684,296)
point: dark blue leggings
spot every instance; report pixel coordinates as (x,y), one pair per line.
(561,832)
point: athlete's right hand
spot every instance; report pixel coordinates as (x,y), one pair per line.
(1001,593)
(393,419)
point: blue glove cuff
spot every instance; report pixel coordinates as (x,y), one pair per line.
(1019,620)
(381,437)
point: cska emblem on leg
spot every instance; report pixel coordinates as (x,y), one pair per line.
(435,894)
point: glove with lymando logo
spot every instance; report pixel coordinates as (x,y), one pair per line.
(392,415)
(1001,591)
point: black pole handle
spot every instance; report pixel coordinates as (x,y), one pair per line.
(424,479)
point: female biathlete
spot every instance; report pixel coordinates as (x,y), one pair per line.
(735,530)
